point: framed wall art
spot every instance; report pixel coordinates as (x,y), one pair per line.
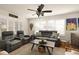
(78,22)
(71,24)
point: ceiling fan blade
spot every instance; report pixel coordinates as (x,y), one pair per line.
(47,11)
(40,7)
(31,10)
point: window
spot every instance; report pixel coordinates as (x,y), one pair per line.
(16,26)
(10,25)
(39,25)
(58,25)
(51,24)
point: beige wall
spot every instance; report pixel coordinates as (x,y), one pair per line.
(67,35)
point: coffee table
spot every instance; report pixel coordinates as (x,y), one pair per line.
(49,44)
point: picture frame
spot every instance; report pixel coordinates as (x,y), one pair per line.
(71,24)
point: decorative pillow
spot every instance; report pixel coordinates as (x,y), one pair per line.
(38,33)
(55,35)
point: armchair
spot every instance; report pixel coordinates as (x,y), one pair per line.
(24,38)
(10,42)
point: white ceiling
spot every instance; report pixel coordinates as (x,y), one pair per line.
(21,9)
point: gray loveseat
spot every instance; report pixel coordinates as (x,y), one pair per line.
(49,35)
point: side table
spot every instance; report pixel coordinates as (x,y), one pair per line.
(66,45)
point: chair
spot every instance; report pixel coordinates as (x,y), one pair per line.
(10,41)
(21,36)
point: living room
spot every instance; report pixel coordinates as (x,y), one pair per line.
(19,28)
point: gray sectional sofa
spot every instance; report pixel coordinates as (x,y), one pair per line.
(10,42)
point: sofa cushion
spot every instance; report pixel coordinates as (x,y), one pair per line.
(55,35)
(9,37)
(26,38)
(38,34)
(14,42)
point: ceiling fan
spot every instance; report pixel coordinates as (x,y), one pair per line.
(40,11)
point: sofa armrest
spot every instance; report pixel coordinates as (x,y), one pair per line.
(2,44)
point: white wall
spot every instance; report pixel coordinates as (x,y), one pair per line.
(67,35)
(25,24)
(11,21)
